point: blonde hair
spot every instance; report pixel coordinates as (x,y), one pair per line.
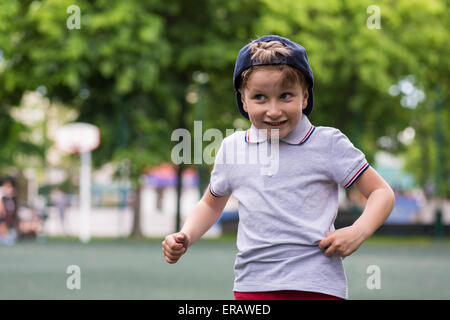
(266,53)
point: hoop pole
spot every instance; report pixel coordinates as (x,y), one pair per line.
(85,197)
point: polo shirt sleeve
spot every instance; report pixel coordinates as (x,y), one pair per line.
(219,185)
(348,163)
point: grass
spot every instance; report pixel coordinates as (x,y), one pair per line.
(394,240)
(411,268)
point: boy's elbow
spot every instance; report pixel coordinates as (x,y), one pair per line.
(390,195)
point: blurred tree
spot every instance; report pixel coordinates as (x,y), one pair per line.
(14,144)
(130,65)
(355,66)
(127,69)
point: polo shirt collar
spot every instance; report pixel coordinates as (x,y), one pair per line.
(301,133)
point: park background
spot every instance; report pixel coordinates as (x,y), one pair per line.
(138,70)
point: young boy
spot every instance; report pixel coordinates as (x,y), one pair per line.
(287,245)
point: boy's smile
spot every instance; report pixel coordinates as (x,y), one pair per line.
(272,104)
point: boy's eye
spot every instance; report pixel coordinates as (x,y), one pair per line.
(259,97)
(286,95)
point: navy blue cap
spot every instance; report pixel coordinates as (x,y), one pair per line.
(297,59)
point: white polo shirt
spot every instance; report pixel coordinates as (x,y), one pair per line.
(287,203)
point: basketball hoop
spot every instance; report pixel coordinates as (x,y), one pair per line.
(77,138)
(81,138)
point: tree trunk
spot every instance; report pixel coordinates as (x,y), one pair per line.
(136,231)
(179,189)
(181,124)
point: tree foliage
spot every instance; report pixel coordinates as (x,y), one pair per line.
(129,67)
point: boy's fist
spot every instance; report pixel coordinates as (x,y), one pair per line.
(343,241)
(174,246)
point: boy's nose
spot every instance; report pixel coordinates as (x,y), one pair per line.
(274,110)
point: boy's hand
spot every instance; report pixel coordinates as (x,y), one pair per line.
(343,241)
(174,246)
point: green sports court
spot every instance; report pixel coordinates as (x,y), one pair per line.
(409,268)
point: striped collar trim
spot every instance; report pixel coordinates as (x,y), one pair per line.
(301,133)
(310,132)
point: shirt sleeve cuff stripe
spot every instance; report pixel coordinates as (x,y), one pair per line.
(213,192)
(357,175)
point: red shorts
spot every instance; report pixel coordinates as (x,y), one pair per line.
(283,295)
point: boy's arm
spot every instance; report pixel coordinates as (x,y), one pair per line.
(202,217)
(380,201)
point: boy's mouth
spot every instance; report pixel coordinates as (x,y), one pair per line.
(275,124)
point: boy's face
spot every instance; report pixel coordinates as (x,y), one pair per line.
(272,105)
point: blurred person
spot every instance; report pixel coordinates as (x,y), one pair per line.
(30,224)
(60,200)
(3,227)
(287,245)
(9,216)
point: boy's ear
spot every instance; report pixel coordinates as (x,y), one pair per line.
(305,99)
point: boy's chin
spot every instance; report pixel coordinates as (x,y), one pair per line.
(276,133)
